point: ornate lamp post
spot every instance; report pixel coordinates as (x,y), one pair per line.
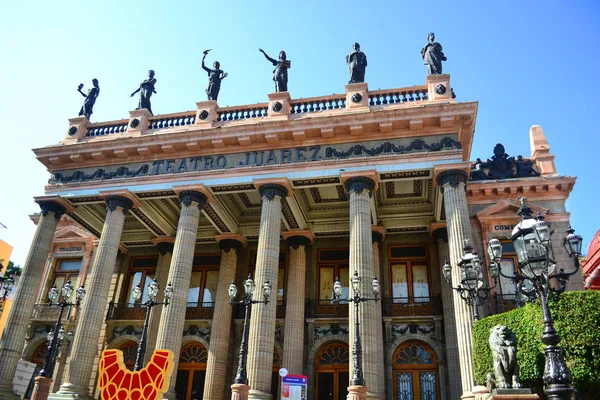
(153,289)
(537,276)
(7,285)
(56,337)
(357,376)
(472,287)
(249,286)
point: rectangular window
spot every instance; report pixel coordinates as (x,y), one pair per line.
(141,272)
(409,272)
(333,264)
(203,283)
(66,270)
(399,283)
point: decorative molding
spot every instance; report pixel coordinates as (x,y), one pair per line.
(232,188)
(100,173)
(84,224)
(315,181)
(170,207)
(228,244)
(400,330)
(405,174)
(187,197)
(359,183)
(440,233)
(165,247)
(296,241)
(193,330)
(328,330)
(408,229)
(270,190)
(112,202)
(391,148)
(125,330)
(288,215)
(453,177)
(90,199)
(148,222)
(216,219)
(141,243)
(156,194)
(501,166)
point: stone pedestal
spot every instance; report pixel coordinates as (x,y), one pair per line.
(439,87)
(206,113)
(508,394)
(77,129)
(41,390)
(357,393)
(239,391)
(138,121)
(25,294)
(279,105)
(357,95)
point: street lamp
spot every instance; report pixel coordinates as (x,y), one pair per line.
(7,285)
(357,376)
(153,289)
(249,287)
(538,276)
(471,288)
(55,338)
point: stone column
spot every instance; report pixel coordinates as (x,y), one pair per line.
(92,310)
(377,237)
(451,344)
(361,189)
(172,319)
(293,342)
(19,316)
(453,185)
(262,322)
(216,368)
(165,253)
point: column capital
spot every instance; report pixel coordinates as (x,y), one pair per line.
(55,204)
(113,201)
(440,233)
(359,183)
(297,237)
(377,233)
(270,190)
(231,241)
(453,177)
(273,184)
(187,197)
(164,245)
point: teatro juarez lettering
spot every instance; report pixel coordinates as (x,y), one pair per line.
(259,158)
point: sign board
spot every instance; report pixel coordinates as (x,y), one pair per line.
(283,372)
(293,387)
(23,376)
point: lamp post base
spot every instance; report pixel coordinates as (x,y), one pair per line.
(357,393)
(41,390)
(239,391)
(559,391)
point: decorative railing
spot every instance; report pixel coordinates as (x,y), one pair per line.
(172,120)
(317,104)
(239,310)
(384,97)
(202,310)
(107,128)
(326,308)
(47,312)
(411,306)
(126,311)
(245,112)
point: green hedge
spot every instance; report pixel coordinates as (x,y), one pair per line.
(576,318)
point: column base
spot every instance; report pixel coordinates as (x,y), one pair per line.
(239,391)
(259,395)
(467,396)
(69,391)
(357,393)
(373,396)
(8,394)
(41,390)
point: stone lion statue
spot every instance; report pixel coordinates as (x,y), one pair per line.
(503,343)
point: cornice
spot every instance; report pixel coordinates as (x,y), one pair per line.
(536,188)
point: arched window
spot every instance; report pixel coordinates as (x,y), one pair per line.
(192,371)
(129,350)
(332,366)
(415,372)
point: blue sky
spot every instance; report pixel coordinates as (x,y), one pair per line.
(526,62)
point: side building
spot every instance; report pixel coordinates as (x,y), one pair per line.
(297,192)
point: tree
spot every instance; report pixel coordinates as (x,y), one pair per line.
(13,270)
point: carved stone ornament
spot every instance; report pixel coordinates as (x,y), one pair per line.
(72,130)
(125,330)
(376,237)
(296,241)
(356,98)
(452,177)
(112,202)
(277,106)
(203,115)
(400,330)
(502,166)
(165,247)
(440,89)
(193,330)
(189,196)
(231,244)
(327,330)
(441,233)
(359,183)
(503,344)
(270,190)
(134,123)
(50,206)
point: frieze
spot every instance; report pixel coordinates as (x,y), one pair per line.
(316,181)
(405,174)
(155,195)
(232,188)
(257,158)
(125,330)
(328,330)
(400,330)
(193,330)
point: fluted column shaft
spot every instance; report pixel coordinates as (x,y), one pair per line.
(165,253)
(451,344)
(453,183)
(93,307)
(293,343)
(19,316)
(360,190)
(172,319)
(380,388)
(216,368)
(262,322)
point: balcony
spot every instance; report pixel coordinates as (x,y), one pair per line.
(238,310)
(136,312)
(411,306)
(326,308)
(47,312)
(203,310)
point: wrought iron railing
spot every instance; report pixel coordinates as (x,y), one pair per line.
(47,312)
(411,306)
(326,308)
(125,311)
(200,310)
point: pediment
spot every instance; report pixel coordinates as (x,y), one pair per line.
(72,233)
(507,209)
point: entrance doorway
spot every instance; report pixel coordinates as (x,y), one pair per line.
(192,372)
(332,372)
(416,374)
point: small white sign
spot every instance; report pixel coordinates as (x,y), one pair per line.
(23,376)
(283,372)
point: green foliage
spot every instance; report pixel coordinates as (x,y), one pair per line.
(576,318)
(13,270)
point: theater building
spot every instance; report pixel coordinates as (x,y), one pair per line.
(297,192)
